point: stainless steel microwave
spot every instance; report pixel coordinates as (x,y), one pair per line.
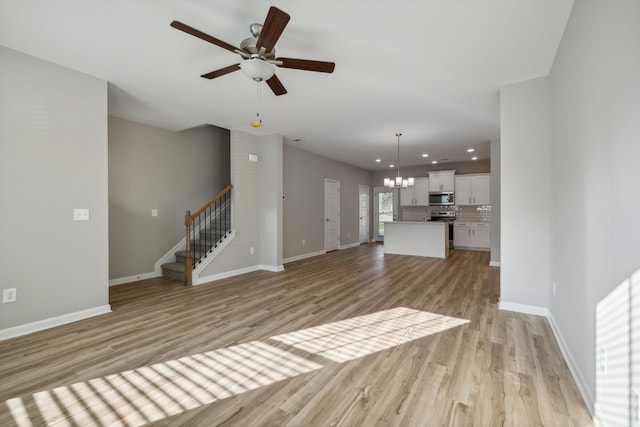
(442,198)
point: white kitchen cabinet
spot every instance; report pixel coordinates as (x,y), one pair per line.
(406,196)
(471,235)
(461,235)
(441,181)
(472,190)
(418,195)
(421,191)
(480,236)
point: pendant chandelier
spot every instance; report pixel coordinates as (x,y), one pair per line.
(398,182)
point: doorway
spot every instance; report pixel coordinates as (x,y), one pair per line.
(385,208)
(363,213)
(331,215)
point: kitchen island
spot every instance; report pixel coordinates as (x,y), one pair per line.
(430,239)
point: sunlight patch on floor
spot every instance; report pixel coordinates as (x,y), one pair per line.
(353,338)
(154,392)
(151,393)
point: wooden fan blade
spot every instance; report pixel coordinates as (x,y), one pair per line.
(206,37)
(272,28)
(221,71)
(276,86)
(307,65)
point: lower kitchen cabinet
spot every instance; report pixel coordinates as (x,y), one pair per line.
(471,235)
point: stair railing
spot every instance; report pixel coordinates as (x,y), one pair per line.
(212,222)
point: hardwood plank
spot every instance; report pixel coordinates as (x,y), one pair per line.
(376,347)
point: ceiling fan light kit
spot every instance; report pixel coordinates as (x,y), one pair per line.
(257,69)
(258,52)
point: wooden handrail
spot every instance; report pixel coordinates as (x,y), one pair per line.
(212,201)
(188,222)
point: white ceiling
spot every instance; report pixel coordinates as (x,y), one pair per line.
(430,69)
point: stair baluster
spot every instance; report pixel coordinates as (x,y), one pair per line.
(212,223)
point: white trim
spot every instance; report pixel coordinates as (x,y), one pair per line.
(578,377)
(524,308)
(170,256)
(575,371)
(226,274)
(494,264)
(129,279)
(195,275)
(52,322)
(350,245)
(272,268)
(303,256)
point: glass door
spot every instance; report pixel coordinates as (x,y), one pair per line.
(385,208)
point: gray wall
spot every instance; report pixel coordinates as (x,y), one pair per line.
(257,207)
(595,154)
(53,158)
(304,175)
(495,202)
(153,168)
(525,183)
(570,147)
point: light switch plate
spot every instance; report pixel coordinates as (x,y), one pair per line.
(9,295)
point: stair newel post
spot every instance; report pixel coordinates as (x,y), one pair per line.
(188,264)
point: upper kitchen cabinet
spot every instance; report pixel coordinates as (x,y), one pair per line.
(441,181)
(418,195)
(472,190)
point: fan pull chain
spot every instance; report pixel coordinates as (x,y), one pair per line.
(258,122)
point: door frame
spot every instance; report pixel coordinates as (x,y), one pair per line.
(326,220)
(362,189)
(376,217)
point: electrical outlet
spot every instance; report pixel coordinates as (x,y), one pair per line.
(154,212)
(603,360)
(81,215)
(252,250)
(304,242)
(348,234)
(9,295)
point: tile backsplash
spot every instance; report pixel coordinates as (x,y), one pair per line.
(480,213)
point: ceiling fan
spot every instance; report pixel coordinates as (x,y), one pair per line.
(258,52)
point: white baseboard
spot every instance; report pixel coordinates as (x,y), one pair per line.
(494,264)
(303,256)
(41,325)
(272,268)
(578,377)
(350,245)
(129,279)
(577,374)
(523,308)
(226,274)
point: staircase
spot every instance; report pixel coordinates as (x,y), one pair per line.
(207,229)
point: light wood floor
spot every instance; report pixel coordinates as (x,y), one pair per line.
(350,338)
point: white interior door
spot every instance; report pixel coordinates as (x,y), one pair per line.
(364,214)
(331,215)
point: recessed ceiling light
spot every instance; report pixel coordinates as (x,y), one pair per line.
(434,162)
(391,166)
(474,158)
(470,150)
(378,160)
(425,155)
